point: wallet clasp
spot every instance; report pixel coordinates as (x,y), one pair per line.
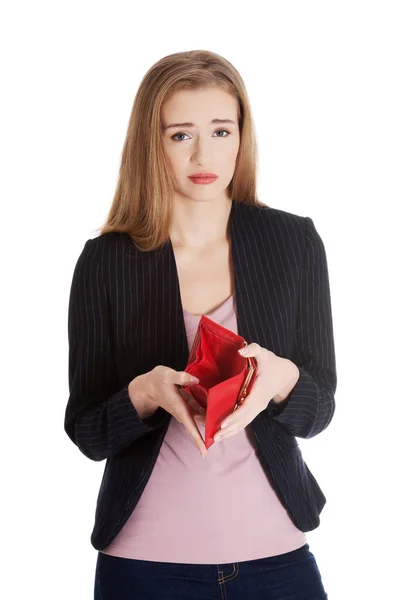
(243,390)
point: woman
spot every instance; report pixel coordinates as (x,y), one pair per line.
(174,520)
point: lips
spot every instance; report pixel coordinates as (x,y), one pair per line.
(207,175)
(203,180)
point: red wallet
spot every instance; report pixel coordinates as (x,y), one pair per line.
(225,376)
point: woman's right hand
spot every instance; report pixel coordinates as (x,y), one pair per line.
(158,387)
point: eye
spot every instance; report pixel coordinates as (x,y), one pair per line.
(228,132)
(181,133)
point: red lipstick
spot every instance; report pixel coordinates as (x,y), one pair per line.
(203,178)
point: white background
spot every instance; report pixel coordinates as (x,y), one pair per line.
(323,81)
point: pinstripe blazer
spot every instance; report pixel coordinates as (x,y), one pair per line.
(125,317)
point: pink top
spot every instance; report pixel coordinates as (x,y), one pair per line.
(220,509)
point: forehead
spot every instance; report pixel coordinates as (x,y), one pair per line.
(199,106)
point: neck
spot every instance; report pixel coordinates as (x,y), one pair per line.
(196,225)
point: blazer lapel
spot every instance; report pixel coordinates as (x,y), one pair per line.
(262,289)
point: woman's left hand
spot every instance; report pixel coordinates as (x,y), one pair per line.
(275,379)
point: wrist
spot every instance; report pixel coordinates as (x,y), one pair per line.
(283,394)
(141,402)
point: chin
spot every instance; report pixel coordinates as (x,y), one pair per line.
(205,192)
(203,199)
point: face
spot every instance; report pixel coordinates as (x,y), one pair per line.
(197,145)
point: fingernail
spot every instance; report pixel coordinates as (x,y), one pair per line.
(218,438)
(194,379)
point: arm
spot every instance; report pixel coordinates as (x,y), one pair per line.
(309,407)
(99,418)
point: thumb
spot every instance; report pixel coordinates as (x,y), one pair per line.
(244,351)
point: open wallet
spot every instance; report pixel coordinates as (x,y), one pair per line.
(226,377)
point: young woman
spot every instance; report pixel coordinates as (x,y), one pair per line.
(185,236)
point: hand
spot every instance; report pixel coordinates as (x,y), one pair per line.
(275,379)
(198,412)
(159,387)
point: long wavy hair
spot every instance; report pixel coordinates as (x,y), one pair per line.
(142,204)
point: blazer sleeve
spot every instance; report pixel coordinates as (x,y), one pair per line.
(99,417)
(310,406)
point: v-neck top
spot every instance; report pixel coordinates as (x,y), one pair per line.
(220,509)
(222,314)
(215,312)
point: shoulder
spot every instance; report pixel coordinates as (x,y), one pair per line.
(289,229)
(277,215)
(275,221)
(111,242)
(104,252)
(108,245)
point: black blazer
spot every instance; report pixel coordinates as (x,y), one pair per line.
(125,317)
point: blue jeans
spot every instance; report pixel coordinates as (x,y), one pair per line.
(293,575)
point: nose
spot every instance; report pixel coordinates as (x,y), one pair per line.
(201,152)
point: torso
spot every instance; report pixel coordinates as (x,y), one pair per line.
(206,279)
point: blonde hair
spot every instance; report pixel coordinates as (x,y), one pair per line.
(142,204)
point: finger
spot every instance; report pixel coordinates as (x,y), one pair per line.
(170,376)
(200,419)
(195,408)
(183,378)
(184,415)
(191,426)
(229,434)
(254,350)
(239,419)
(191,402)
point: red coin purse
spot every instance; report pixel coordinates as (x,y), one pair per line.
(226,377)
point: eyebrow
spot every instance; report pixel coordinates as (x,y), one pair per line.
(187,124)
